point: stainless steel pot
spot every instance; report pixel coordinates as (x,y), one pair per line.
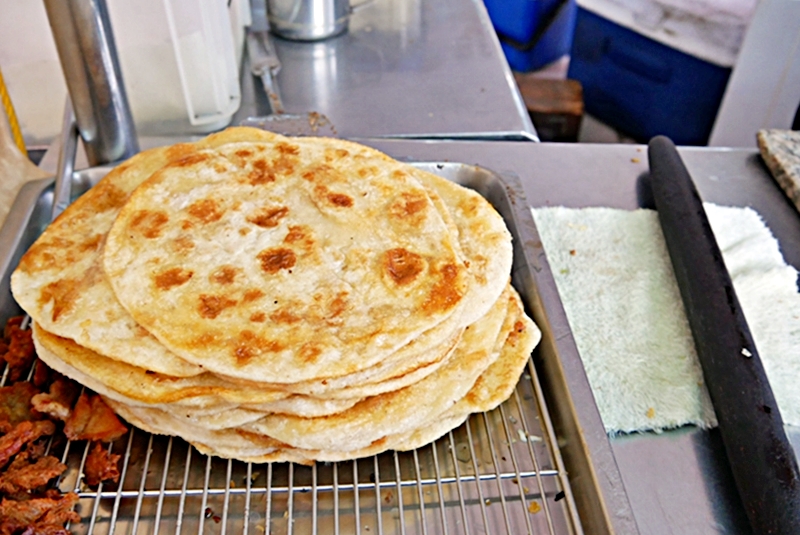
(308,20)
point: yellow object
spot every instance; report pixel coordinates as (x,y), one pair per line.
(12,116)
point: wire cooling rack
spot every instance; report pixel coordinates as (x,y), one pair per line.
(500,472)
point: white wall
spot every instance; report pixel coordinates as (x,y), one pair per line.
(764,88)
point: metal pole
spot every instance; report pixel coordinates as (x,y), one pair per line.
(85,44)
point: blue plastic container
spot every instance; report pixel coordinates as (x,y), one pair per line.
(533,33)
(641,87)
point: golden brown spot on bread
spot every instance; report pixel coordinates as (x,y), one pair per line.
(335,154)
(187,225)
(410,207)
(182,244)
(212,306)
(252,294)
(323,174)
(91,244)
(261,173)
(244,231)
(300,235)
(224,275)
(340,199)
(276,258)
(284,316)
(363,172)
(107,197)
(148,223)
(310,352)
(250,345)
(516,332)
(204,339)
(258,317)
(172,277)
(284,163)
(397,174)
(268,217)
(470,206)
(63,293)
(402,265)
(311,174)
(40,256)
(180,151)
(337,305)
(445,293)
(206,210)
(287,149)
(191,159)
(244,153)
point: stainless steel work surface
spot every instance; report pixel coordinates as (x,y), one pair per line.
(677,481)
(417,68)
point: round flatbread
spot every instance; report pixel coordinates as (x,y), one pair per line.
(284,262)
(60,282)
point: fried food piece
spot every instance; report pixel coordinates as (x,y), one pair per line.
(24,432)
(11,324)
(22,475)
(38,515)
(57,402)
(15,404)
(92,419)
(20,351)
(100,466)
(41,374)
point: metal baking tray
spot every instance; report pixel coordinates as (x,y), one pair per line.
(500,472)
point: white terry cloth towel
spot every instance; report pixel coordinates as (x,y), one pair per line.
(619,292)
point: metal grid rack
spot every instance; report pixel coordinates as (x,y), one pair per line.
(500,472)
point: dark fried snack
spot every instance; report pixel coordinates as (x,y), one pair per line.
(22,433)
(27,505)
(100,466)
(20,353)
(92,419)
(15,403)
(11,323)
(45,515)
(57,402)
(41,374)
(24,476)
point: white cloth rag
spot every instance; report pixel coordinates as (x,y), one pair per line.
(619,292)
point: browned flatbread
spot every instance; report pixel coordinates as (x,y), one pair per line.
(60,281)
(280,299)
(283,262)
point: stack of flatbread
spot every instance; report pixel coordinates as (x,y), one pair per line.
(280,299)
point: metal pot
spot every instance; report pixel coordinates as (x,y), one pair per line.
(308,20)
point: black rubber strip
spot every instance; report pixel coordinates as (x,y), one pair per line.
(762,461)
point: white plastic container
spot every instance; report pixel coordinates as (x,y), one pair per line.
(179,59)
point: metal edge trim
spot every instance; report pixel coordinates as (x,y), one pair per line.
(583,441)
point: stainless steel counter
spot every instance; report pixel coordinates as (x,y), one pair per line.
(676,481)
(405,68)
